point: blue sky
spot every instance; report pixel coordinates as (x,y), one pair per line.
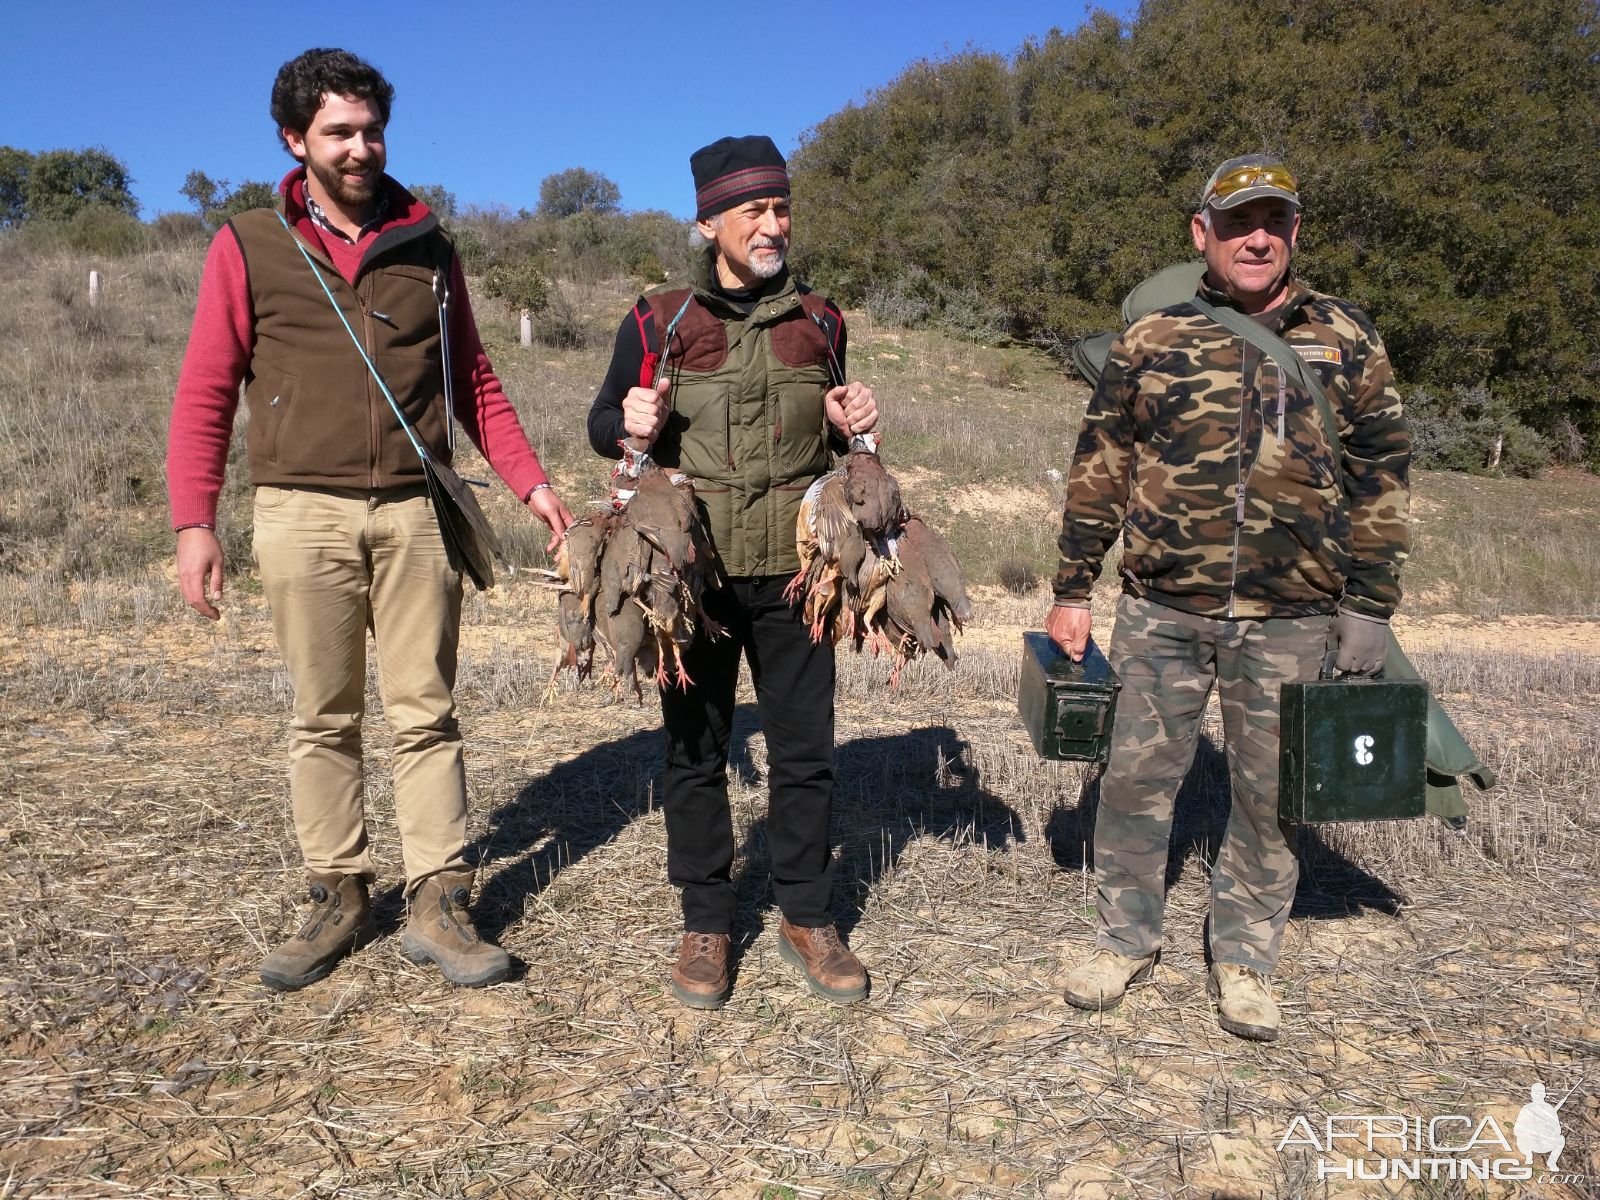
(491,97)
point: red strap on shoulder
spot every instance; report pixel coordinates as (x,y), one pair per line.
(647,365)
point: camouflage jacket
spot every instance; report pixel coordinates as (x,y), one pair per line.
(1218,471)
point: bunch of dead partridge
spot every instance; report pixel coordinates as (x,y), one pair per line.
(634,572)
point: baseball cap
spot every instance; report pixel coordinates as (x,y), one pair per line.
(1250,177)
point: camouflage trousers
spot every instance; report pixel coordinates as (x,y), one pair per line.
(1167,661)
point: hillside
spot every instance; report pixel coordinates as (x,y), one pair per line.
(147,861)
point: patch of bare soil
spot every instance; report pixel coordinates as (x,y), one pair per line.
(147,861)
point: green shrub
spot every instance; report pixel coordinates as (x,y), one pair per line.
(1459,431)
(522,286)
(100,230)
(177,229)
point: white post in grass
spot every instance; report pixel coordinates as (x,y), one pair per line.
(94,288)
(1495,451)
(525,327)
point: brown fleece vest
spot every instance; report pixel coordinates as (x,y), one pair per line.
(317,417)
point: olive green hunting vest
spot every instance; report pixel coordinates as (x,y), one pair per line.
(747,421)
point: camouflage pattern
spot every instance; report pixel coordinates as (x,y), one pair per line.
(1167,661)
(1219,473)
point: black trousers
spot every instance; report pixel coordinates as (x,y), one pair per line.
(794,692)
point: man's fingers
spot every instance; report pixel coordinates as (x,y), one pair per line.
(195,596)
(1069,627)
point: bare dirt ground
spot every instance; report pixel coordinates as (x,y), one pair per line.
(147,859)
(146,863)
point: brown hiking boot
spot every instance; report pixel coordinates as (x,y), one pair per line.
(1101,980)
(1245,1007)
(700,976)
(340,916)
(832,971)
(439,930)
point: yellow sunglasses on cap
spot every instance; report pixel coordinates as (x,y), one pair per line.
(1247,177)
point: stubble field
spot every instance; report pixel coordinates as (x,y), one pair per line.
(147,861)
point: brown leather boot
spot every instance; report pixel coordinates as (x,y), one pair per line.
(438,930)
(700,976)
(340,915)
(832,971)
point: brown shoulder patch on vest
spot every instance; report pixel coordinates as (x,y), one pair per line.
(699,343)
(797,341)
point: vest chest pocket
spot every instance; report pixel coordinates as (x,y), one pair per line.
(699,421)
(404,309)
(800,445)
(270,409)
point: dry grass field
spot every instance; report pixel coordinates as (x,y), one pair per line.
(147,861)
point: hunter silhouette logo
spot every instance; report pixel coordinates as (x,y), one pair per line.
(1457,1146)
(1538,1128)
(1364,745)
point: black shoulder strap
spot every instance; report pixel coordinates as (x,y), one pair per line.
(829,321)
(1275,348)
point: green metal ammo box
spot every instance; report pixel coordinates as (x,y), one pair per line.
(1068,707)
(1351,750)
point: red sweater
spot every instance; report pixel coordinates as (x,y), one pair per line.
(223,337)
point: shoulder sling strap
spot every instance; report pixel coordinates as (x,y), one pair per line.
(1275,348)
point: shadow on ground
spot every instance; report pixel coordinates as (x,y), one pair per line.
(890,790)
(1331,885)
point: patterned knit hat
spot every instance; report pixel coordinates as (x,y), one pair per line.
(734,169)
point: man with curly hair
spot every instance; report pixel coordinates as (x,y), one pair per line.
(345,536)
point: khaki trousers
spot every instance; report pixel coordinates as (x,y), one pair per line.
(336,563)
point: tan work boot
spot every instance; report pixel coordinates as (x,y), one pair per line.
(832,971)
(340,915)
(1245,1007)
(700,976)
(1101,980)
(439,930)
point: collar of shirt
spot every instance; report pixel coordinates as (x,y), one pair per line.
(379,212)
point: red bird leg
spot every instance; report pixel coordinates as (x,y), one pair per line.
(684,682)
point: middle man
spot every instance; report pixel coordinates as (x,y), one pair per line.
(746,410)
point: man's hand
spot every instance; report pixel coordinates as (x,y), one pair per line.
(1361,643)
(1069,629)
(547,506)
(851,408)
(644,411)
(200,570)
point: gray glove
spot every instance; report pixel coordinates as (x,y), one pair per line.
(1359,643)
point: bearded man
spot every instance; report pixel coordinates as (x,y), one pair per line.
(344,533)
(751,404)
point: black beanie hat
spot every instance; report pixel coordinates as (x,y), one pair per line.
(734,169)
